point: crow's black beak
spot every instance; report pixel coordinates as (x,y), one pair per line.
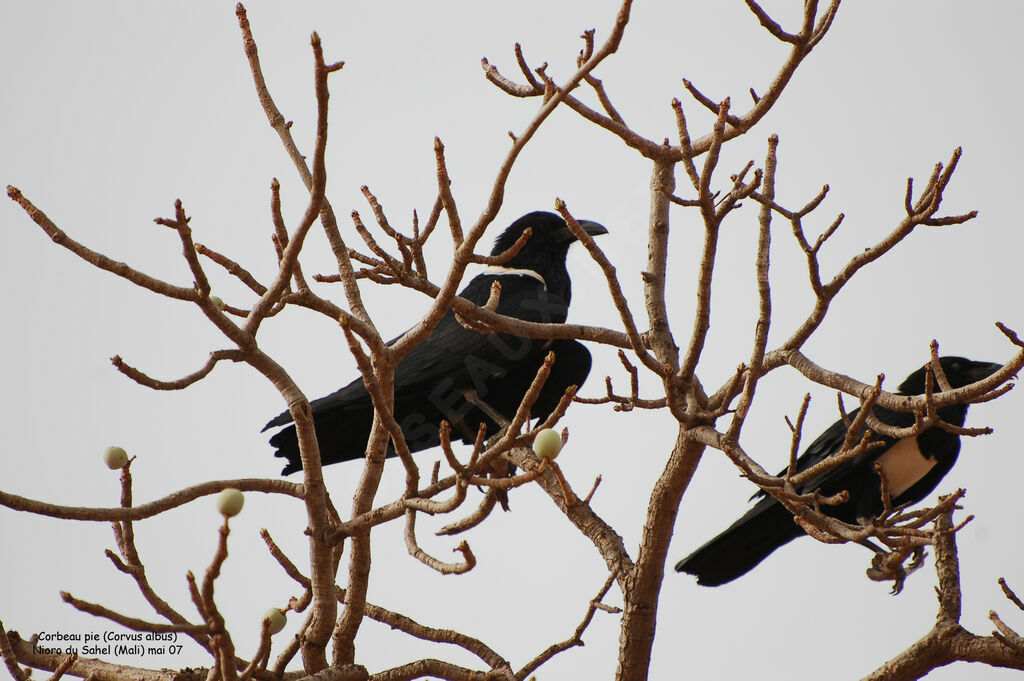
(982,370)
(592,228)
(565,234)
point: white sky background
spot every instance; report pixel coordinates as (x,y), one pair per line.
(111,111)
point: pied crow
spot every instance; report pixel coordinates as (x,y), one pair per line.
(455,371)
(912,466)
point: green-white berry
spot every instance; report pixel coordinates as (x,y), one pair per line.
(115,457)
(277,620)
(547,444)
(217,302)
(230,501)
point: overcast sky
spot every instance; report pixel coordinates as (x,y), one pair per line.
(113,110)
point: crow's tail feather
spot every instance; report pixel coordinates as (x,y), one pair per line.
(748,541)
(342,435)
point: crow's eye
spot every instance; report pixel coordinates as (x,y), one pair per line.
(956,366)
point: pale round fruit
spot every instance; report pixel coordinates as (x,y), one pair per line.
(230,501)
(115,457)
(547,444)
(217,302)
(277,620)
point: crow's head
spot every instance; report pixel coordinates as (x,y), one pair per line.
(545,251)
(548,232)
(959,370)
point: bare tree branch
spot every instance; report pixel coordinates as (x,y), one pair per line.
(179,498)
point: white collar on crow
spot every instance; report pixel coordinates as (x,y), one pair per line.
(499,270)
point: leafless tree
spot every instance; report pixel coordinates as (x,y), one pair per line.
(331,586)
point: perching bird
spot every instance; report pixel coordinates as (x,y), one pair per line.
(461,376)
(912,467)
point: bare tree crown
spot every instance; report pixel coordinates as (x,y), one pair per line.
(662,358)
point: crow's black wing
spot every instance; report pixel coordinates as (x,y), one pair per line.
(858,476)
(455,353)
(464,355)
(767,525)
(825,445)
(831,441)
(570,368)
(432,381)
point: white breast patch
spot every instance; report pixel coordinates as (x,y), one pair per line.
(498,269)
(904,465)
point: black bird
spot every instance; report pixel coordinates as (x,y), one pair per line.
(912,466)
(461,376)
